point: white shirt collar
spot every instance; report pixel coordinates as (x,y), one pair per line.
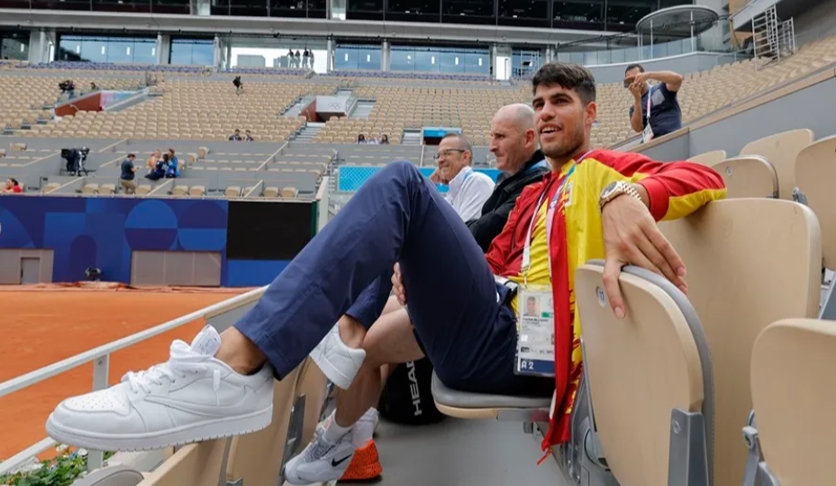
(458,181)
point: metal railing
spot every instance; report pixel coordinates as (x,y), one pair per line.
(100,357)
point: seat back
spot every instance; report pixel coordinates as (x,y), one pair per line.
(194,464)
(781,150)
(750,262)
(312,384)
(794,390)
(815,172)
(639,369)
(710,158)
(748,176)
(257,457)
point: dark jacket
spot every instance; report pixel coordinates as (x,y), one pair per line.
(497,208)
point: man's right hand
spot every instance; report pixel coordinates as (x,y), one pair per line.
(436,177)
(636,89)
(397,285)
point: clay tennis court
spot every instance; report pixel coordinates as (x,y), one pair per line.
(41,325)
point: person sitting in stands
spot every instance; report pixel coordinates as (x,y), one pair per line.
(152,160)
(160,168)
(235,137)
(361,139)
(248,137)
(384,140)
(398,217)
(468,190)
(173,165)
(12,186)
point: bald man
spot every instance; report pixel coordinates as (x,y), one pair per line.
(392,340)
(514,143)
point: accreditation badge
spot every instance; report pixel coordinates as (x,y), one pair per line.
(535,336)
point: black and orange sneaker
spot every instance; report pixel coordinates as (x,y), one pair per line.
(365,464)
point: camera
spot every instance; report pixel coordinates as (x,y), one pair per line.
(75,158)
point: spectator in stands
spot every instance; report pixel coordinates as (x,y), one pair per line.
(514,143)
(655,111)
(93,86)
(160,168)
(173,170)
(239,86)
(306,56)
(298,59)
(291,62)
(152,160)
(235,137)
(248,137)
(12,186)
(126,180)
(468,190)
(465,320)
(384,139)
(361,138)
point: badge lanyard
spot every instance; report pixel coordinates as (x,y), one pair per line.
(649,94)
(526,258)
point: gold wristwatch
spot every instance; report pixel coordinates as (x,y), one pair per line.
(615,189)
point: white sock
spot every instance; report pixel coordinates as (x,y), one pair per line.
(333,431)
(363,430)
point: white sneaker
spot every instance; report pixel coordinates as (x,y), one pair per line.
(336,360)
(321,461)
(190,398)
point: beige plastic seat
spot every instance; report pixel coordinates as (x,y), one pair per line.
(256,458)
(194,464)
(107,189)
(710,158)
(271,191)
(750,262)
(192,157)
(144,189)
(90,189)
(197,191)
(641,369)
(18,147)
(180,191)
(289,192)
(202,152)
(793,393)
(815,172)
(232,191)
(781,151)
(748,176)
(2,153)
(51,187)
(312,385)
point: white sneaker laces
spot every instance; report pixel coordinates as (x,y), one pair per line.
(182,361)
(318,448)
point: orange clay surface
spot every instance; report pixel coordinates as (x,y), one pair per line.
(41,325)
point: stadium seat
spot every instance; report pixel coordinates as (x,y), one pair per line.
(144,189)
(256,459)
(111,476)
(180,190)
(748,176)
(232,191)
(194,465)
(289,192)
(197,191)
(271,192)
(650,378)
(107,189)
(793,398)
(50,187)
(312,386)
(815,172)
(750,262)
(466,405)
(18,147)
(202,152)
(90,189)
(781,151)
(710,158)
(2,153)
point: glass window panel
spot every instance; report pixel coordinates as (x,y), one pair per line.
(525,62)
(220,7)
(468,12)
(61,4)
(137,6)
(622,15)
(192,51)
(534,13)
(365,10)
(14,46)
(477,63)
(171,6)
(578,14)
(617,55)
(145,52)
(288,8)
(414,10)
(426,61)
(249,8)
(120,51)
(94,50)
(673,3)
(401,59)
(317,9)
(451,62)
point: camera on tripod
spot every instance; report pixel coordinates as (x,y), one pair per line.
(75,158)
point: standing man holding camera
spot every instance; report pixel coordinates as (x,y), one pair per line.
(655,111)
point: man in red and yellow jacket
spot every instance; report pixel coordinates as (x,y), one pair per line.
(593,204)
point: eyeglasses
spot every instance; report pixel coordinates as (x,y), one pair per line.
(447,153)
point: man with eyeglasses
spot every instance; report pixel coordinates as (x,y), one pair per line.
(468,189)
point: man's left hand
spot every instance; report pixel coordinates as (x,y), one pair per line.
(631,237)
